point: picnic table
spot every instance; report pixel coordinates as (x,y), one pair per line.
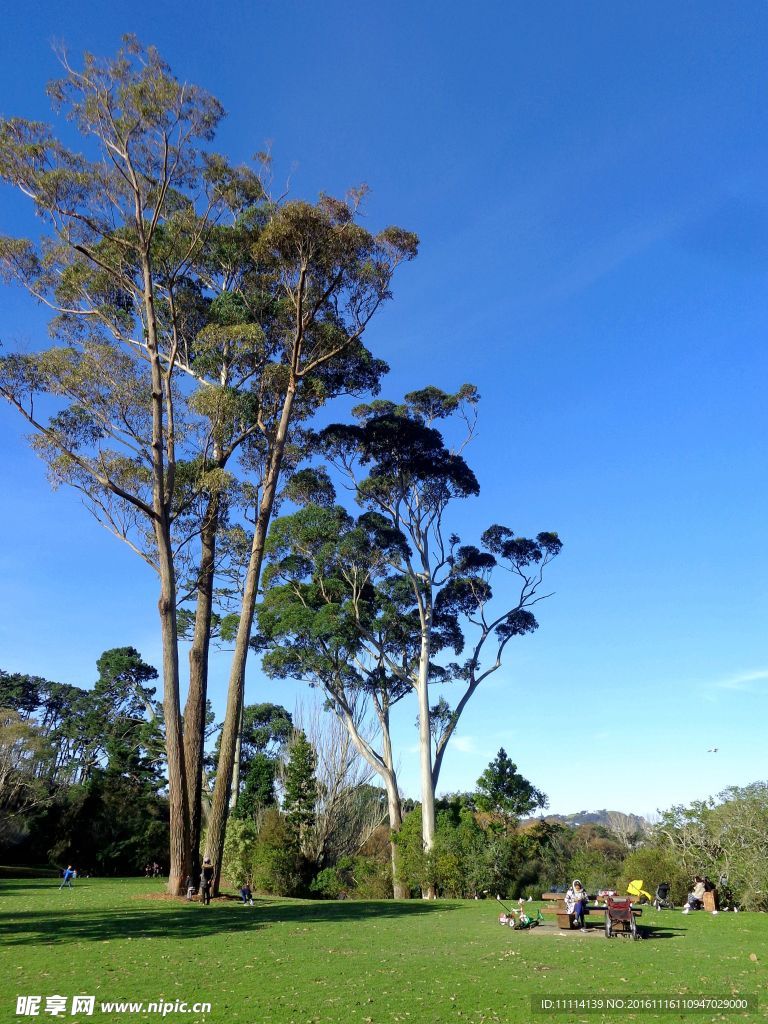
(565,920)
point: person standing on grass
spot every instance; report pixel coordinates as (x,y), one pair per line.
(69,874)
(206,881)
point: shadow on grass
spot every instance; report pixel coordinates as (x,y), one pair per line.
(192,921)
(51,883)
(650,931)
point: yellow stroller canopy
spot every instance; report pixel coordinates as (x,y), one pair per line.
(636,890)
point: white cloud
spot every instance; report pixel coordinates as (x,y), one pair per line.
(466,744)
(744,681)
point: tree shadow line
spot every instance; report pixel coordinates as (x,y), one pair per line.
(192,921)
(22,886)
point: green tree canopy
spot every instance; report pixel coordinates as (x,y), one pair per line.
(504,792)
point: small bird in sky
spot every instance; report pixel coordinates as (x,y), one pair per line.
(713,750)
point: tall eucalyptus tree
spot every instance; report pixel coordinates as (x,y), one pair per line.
(194,320)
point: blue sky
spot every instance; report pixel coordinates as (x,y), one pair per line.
(588,181)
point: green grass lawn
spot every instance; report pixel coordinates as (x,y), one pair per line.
(287,961)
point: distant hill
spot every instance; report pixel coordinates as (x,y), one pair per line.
(608,819)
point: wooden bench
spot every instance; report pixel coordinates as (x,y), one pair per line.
(557,899)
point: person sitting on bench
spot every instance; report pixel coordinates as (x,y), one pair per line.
(696,896)
(576,902)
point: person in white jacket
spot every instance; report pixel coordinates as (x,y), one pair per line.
(576,902)
(696,895)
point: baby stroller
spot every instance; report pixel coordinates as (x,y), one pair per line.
(637,893)
(619,918)
(661,900)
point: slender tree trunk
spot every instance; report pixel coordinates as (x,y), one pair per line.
(384,767)
(163,463)
(399,889)
(217,821)
(194,711)
(425,754)
(180,863)
(236,766)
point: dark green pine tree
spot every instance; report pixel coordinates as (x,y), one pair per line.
(300,786)
(503,791)
(259,786)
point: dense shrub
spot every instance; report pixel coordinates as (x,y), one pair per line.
(239,843)
(594,869)
(373,879)
(415,869)
(278,867)
(264,854)
(655,865)
(357,878)
(468,859)
(336,883)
